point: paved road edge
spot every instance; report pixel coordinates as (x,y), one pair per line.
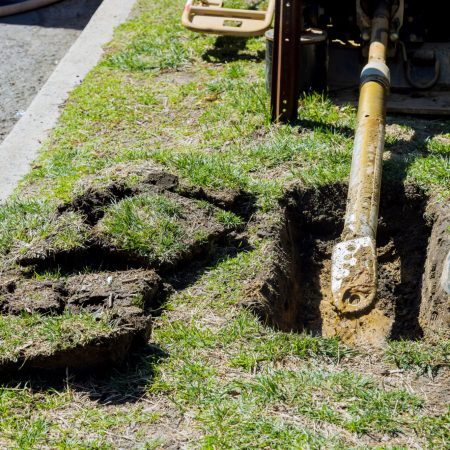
(21,145)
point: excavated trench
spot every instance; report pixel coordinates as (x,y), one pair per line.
(292,293)
(412,243)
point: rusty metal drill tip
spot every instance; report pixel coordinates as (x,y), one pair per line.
(354,259)
(354,274)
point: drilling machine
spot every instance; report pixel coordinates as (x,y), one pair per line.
(403,67)
(394,53)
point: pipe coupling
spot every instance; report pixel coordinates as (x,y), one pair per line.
(376,71)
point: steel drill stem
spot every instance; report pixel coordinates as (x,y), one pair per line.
(354,264)
(365,176)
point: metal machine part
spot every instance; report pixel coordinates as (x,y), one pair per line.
(354,259)
(210,17)
(415,43)
(286,60)
(365,10)
(313,57)
(418,52)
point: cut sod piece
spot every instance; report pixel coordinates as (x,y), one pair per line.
(160,229)
(60,234)
(117,227)
(83,322)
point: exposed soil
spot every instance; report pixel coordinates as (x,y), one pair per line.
(128,298)
(22,296)
(294,291)
(123,284)
(412,244)
(98,251)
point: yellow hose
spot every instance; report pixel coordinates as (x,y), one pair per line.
(24,6)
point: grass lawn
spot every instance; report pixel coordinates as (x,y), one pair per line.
(215,376)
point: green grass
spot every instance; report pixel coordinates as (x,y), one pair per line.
(236,376)
(158,228)
(422,357)
(35,333)
(21,222)
(148,225)
(241,384)
(22,412)
(197,106)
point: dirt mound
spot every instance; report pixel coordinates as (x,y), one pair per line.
(127,298)
(109,248)
(412,245)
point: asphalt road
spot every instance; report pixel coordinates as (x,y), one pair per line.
(31,44)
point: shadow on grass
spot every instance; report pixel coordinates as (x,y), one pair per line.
(307,124)
(230,48)
(126,383)
(404,152)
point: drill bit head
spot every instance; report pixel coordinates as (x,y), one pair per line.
(354,275)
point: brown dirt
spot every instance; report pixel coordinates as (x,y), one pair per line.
(128,297)
(22,296)
(123,284)
(434,314)
(295,291)
(114,290)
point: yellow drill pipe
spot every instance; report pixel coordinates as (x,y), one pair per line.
(354,262)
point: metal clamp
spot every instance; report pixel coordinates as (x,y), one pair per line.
(376,71)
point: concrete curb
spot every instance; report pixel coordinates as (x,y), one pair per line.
(21,145)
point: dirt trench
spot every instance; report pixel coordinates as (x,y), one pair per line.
(293,291)
(412,244)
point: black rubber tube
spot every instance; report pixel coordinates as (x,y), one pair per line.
(24,6)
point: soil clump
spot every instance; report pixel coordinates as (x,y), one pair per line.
(128,299)
(97,275)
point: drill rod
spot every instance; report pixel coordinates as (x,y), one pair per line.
(354,259)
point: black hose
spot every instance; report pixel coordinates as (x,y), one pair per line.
(423,84)
(24,6)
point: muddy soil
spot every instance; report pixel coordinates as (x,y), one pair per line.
(412,244)
(33,43)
